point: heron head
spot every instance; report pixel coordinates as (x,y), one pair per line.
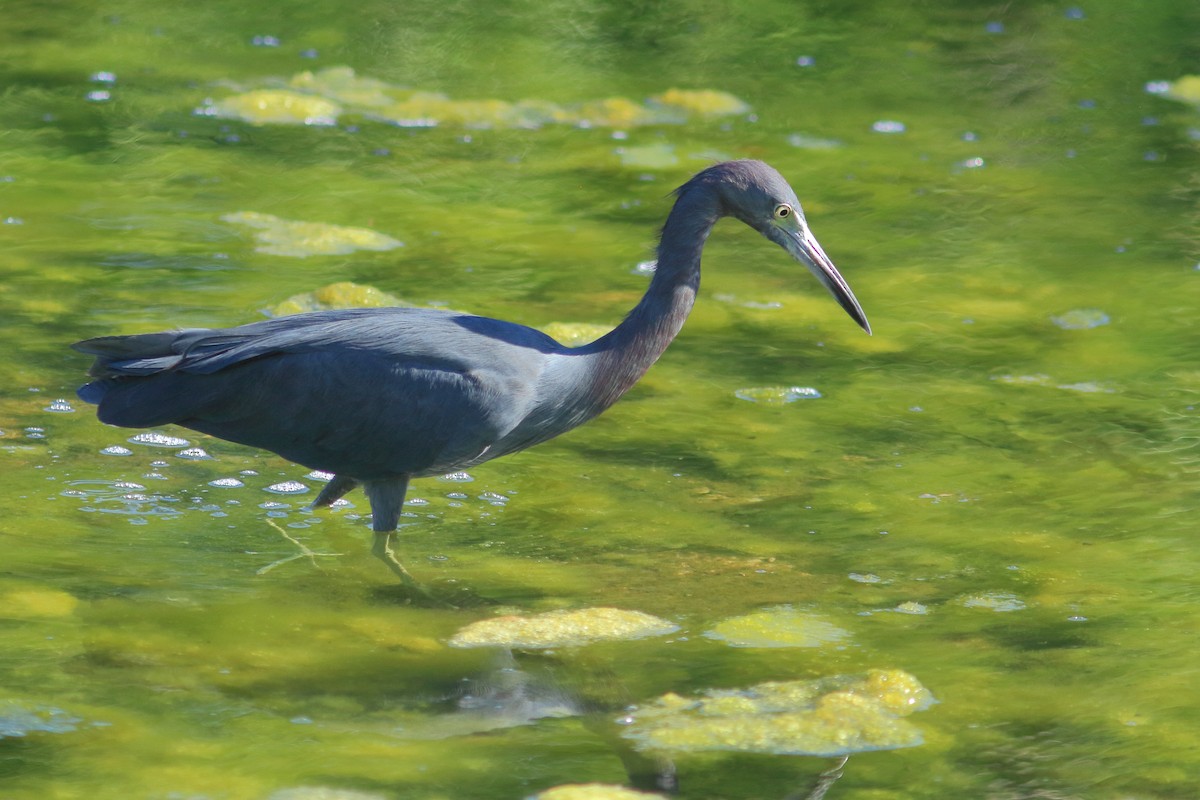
(760,197)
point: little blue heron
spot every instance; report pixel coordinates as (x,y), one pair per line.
(383,395)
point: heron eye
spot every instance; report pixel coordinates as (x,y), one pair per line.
(783,211)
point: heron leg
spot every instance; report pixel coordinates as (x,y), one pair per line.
(387,500)
(333,491)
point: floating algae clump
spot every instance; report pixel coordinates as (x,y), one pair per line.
(705,102)
(592,791)
(343,85)
(1186,89)
(277,106)
(345,294)
(561,629)
(319,98)
(618,112)
(36,603)
(427,109)
(825,717)
(782,626)
(284,237)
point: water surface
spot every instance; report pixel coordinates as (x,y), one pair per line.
(995,493)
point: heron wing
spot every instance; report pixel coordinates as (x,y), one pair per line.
(415,332)
(366,393)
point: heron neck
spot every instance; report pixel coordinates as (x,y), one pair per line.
(621,357)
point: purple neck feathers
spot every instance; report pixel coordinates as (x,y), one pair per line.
(620,358)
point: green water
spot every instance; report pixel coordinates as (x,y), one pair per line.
(1014,452)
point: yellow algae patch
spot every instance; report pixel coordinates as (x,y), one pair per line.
(705,102)
(41,603)
(479,113)
(424,109)
(899,691)
(782,626)
(1039,379)
(342,84)
(427,109)
(574,334)
(592,791)
(829,716)
(1186,89)
(283,237)
(617,112)
(319,98)
(345,294)
(561,629)
(277,106)
(43,307)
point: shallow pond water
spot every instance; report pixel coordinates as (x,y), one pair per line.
(996,493)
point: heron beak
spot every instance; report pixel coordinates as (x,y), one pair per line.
(804,248)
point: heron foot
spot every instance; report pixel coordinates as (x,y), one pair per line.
(382,549)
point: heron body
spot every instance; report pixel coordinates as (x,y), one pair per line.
(380,396)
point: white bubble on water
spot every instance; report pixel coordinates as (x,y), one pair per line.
(287,487)
(226,483)
(493,499)
(156,439)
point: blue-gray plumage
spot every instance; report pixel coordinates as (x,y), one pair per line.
(380,396)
